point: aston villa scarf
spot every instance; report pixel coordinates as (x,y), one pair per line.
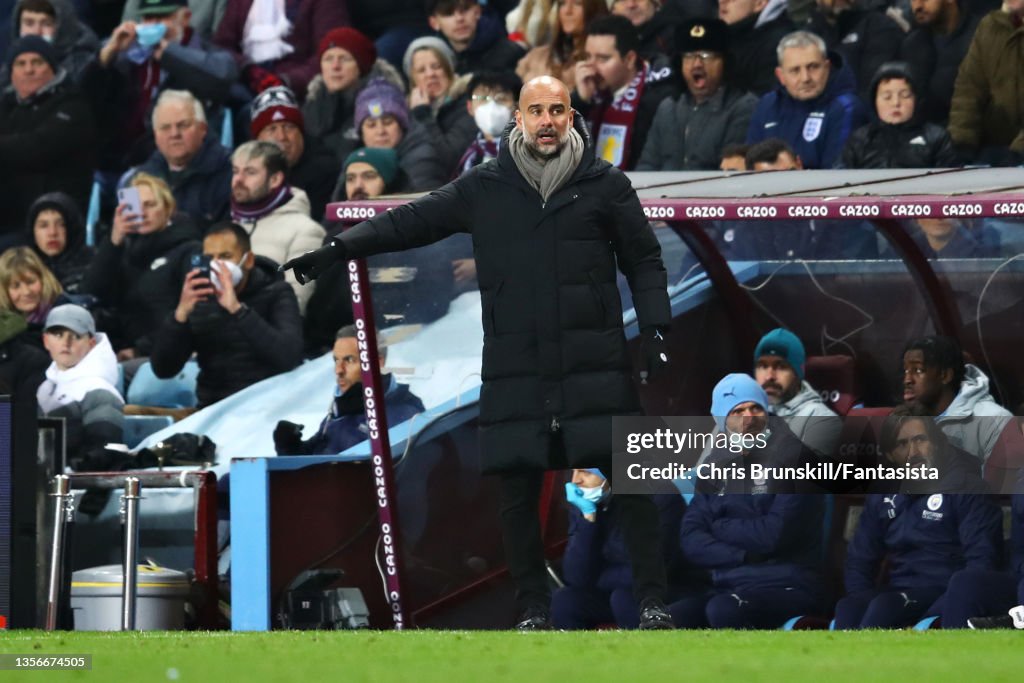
(614,122)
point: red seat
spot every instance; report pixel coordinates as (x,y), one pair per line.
(835,380)
(858,441)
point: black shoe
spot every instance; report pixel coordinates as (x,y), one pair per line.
(979,623)
(535,618)
(654,616)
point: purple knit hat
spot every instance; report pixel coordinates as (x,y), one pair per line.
(378,98)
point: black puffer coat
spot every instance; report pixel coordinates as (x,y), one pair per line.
(554,357)
(47,144)
(141,280)
(912,144)
(70,265)
(235,351)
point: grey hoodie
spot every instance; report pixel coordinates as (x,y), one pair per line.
(960,421)
(74,42)
(808,417)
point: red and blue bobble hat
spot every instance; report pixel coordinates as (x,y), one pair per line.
(272,105)
(784,344)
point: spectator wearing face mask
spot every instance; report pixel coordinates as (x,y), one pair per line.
(492,101)
(143,59)
(206,14)
(595,567)
(240,318)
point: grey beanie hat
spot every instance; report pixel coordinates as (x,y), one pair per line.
(427,41)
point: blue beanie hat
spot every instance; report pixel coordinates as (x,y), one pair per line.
(785,344)
(733,390)
(594,470)
(36,44)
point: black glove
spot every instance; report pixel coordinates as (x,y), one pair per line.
(287,438)
(312,264)
(93,501)
(655,352)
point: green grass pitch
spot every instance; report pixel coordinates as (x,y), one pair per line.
(486,656)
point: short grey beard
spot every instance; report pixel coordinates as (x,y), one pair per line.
(531,144)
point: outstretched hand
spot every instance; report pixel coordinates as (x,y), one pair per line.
(312,264)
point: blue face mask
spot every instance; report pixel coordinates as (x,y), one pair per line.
(149,35)
(594,495)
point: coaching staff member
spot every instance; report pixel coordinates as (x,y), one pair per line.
(549,222)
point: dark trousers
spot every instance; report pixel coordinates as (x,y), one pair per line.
(980,593)
(743,608)
(636,515)
(582,608)
(888,607)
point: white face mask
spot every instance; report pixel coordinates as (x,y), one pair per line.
(594,495)
(234,270)
(491,118)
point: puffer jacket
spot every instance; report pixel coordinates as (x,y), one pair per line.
(234,351)
(141,280)
(555,360)
(751,542)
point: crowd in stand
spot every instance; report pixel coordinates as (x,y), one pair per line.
(302,85)
(325,101)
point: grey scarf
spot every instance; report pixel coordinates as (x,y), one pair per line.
(546,176)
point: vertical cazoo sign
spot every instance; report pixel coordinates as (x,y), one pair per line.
(376,423)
